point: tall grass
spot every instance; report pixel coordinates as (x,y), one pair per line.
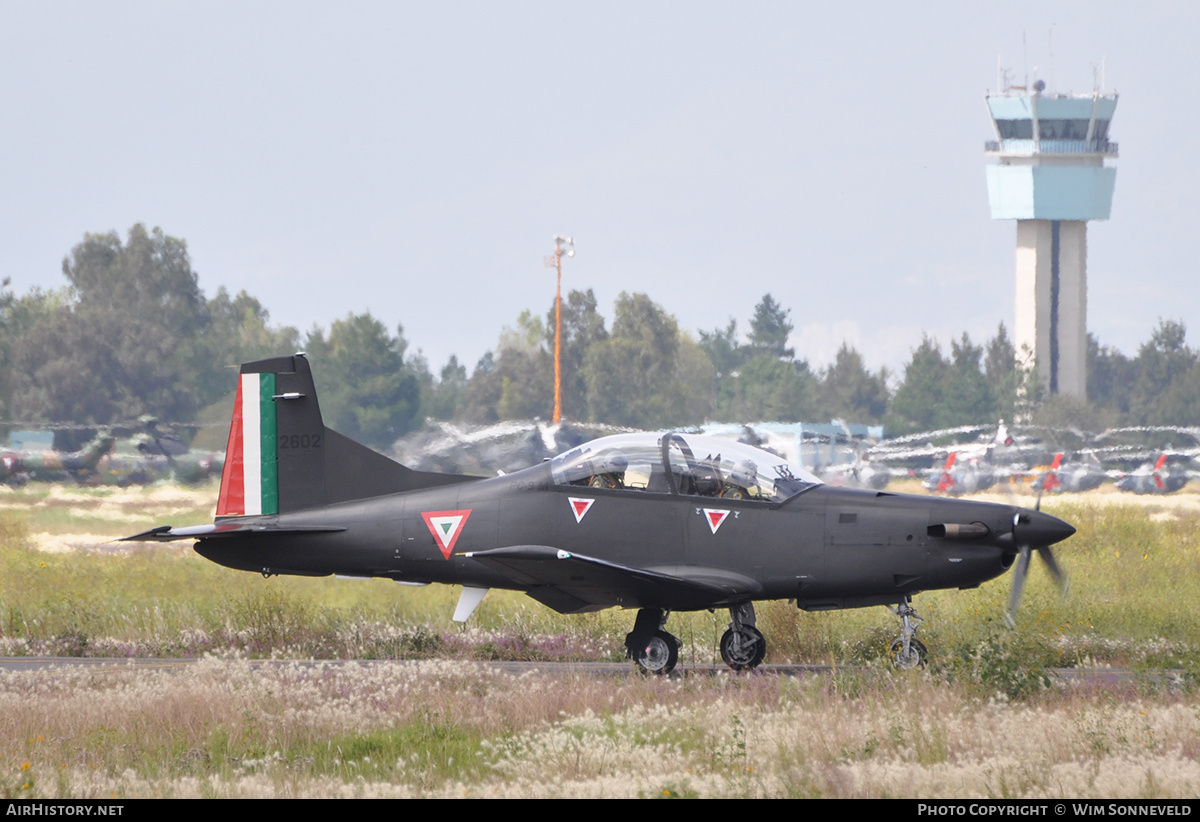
(1135,576)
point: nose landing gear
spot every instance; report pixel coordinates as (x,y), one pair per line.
(907,652)
(743,646)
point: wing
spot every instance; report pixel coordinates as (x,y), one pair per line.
(573,583)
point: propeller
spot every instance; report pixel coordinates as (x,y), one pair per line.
(1035,531)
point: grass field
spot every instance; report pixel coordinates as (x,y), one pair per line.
(983,720)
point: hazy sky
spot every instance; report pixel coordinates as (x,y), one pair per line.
(415,159)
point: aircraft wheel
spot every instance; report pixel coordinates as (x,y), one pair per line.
(660,654)
(743,650)
(915,658)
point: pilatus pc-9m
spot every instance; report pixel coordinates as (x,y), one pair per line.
(655,522)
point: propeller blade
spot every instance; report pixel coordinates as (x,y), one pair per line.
(1055,569)
(1019,575)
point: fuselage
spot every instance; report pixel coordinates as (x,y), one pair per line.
(825,547)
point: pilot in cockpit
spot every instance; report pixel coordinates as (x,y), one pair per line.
(742,481)
(607,470)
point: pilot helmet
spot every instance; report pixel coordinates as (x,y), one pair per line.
(744,473)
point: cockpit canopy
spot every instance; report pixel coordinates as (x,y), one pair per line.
(681,464)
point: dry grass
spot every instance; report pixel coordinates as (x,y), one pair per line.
(444,729)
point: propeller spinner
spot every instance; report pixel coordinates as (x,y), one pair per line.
(1035,531)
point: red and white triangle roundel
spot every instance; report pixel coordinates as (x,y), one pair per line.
(580,507)
(714,517)
(446,527)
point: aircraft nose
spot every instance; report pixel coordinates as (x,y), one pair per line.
(1036,528)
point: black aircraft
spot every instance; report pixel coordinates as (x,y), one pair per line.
(657,522)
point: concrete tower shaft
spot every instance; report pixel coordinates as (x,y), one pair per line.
(1050,177)
(1051,316)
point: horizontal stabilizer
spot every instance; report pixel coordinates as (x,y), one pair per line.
(166,533)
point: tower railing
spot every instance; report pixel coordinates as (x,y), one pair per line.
(1106,148)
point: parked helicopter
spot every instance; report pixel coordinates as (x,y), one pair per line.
(19,467)
(657,522)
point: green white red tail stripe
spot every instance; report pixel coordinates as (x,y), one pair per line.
(250,481)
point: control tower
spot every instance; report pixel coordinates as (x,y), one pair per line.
(1050,177)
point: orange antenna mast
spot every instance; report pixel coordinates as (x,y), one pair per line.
(562,245)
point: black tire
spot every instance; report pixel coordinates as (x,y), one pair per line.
(916,657)
(660,655)
(744,651)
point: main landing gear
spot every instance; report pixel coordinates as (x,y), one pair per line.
(907,652)
(657,652)
(649,646)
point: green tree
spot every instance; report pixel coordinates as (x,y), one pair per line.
(1111,376)
(482,392)
(240,331)
(446,397)
(770,329)
(769,389)
(967,397)
(1180,404)
(1001,372)
(850,392)
(1161,364)
(633,377)
(368,391)
(518,381)
(582,328)
(760,380)
(915,404)
(723,349)
(128,339)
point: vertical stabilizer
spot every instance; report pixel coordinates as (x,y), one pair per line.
(282,458)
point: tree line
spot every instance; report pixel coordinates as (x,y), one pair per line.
(132,333)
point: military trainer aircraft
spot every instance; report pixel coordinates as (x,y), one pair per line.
(657,522)
(968,477)
(1159,477)
(1070,477)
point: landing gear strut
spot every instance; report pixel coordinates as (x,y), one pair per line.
(743,646)
(907,652)
(653,649)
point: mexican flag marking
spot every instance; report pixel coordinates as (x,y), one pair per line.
(579,507)
(715,516)
(446,526)
(250,480)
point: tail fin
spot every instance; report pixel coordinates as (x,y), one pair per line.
(282,458)
(90,454)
